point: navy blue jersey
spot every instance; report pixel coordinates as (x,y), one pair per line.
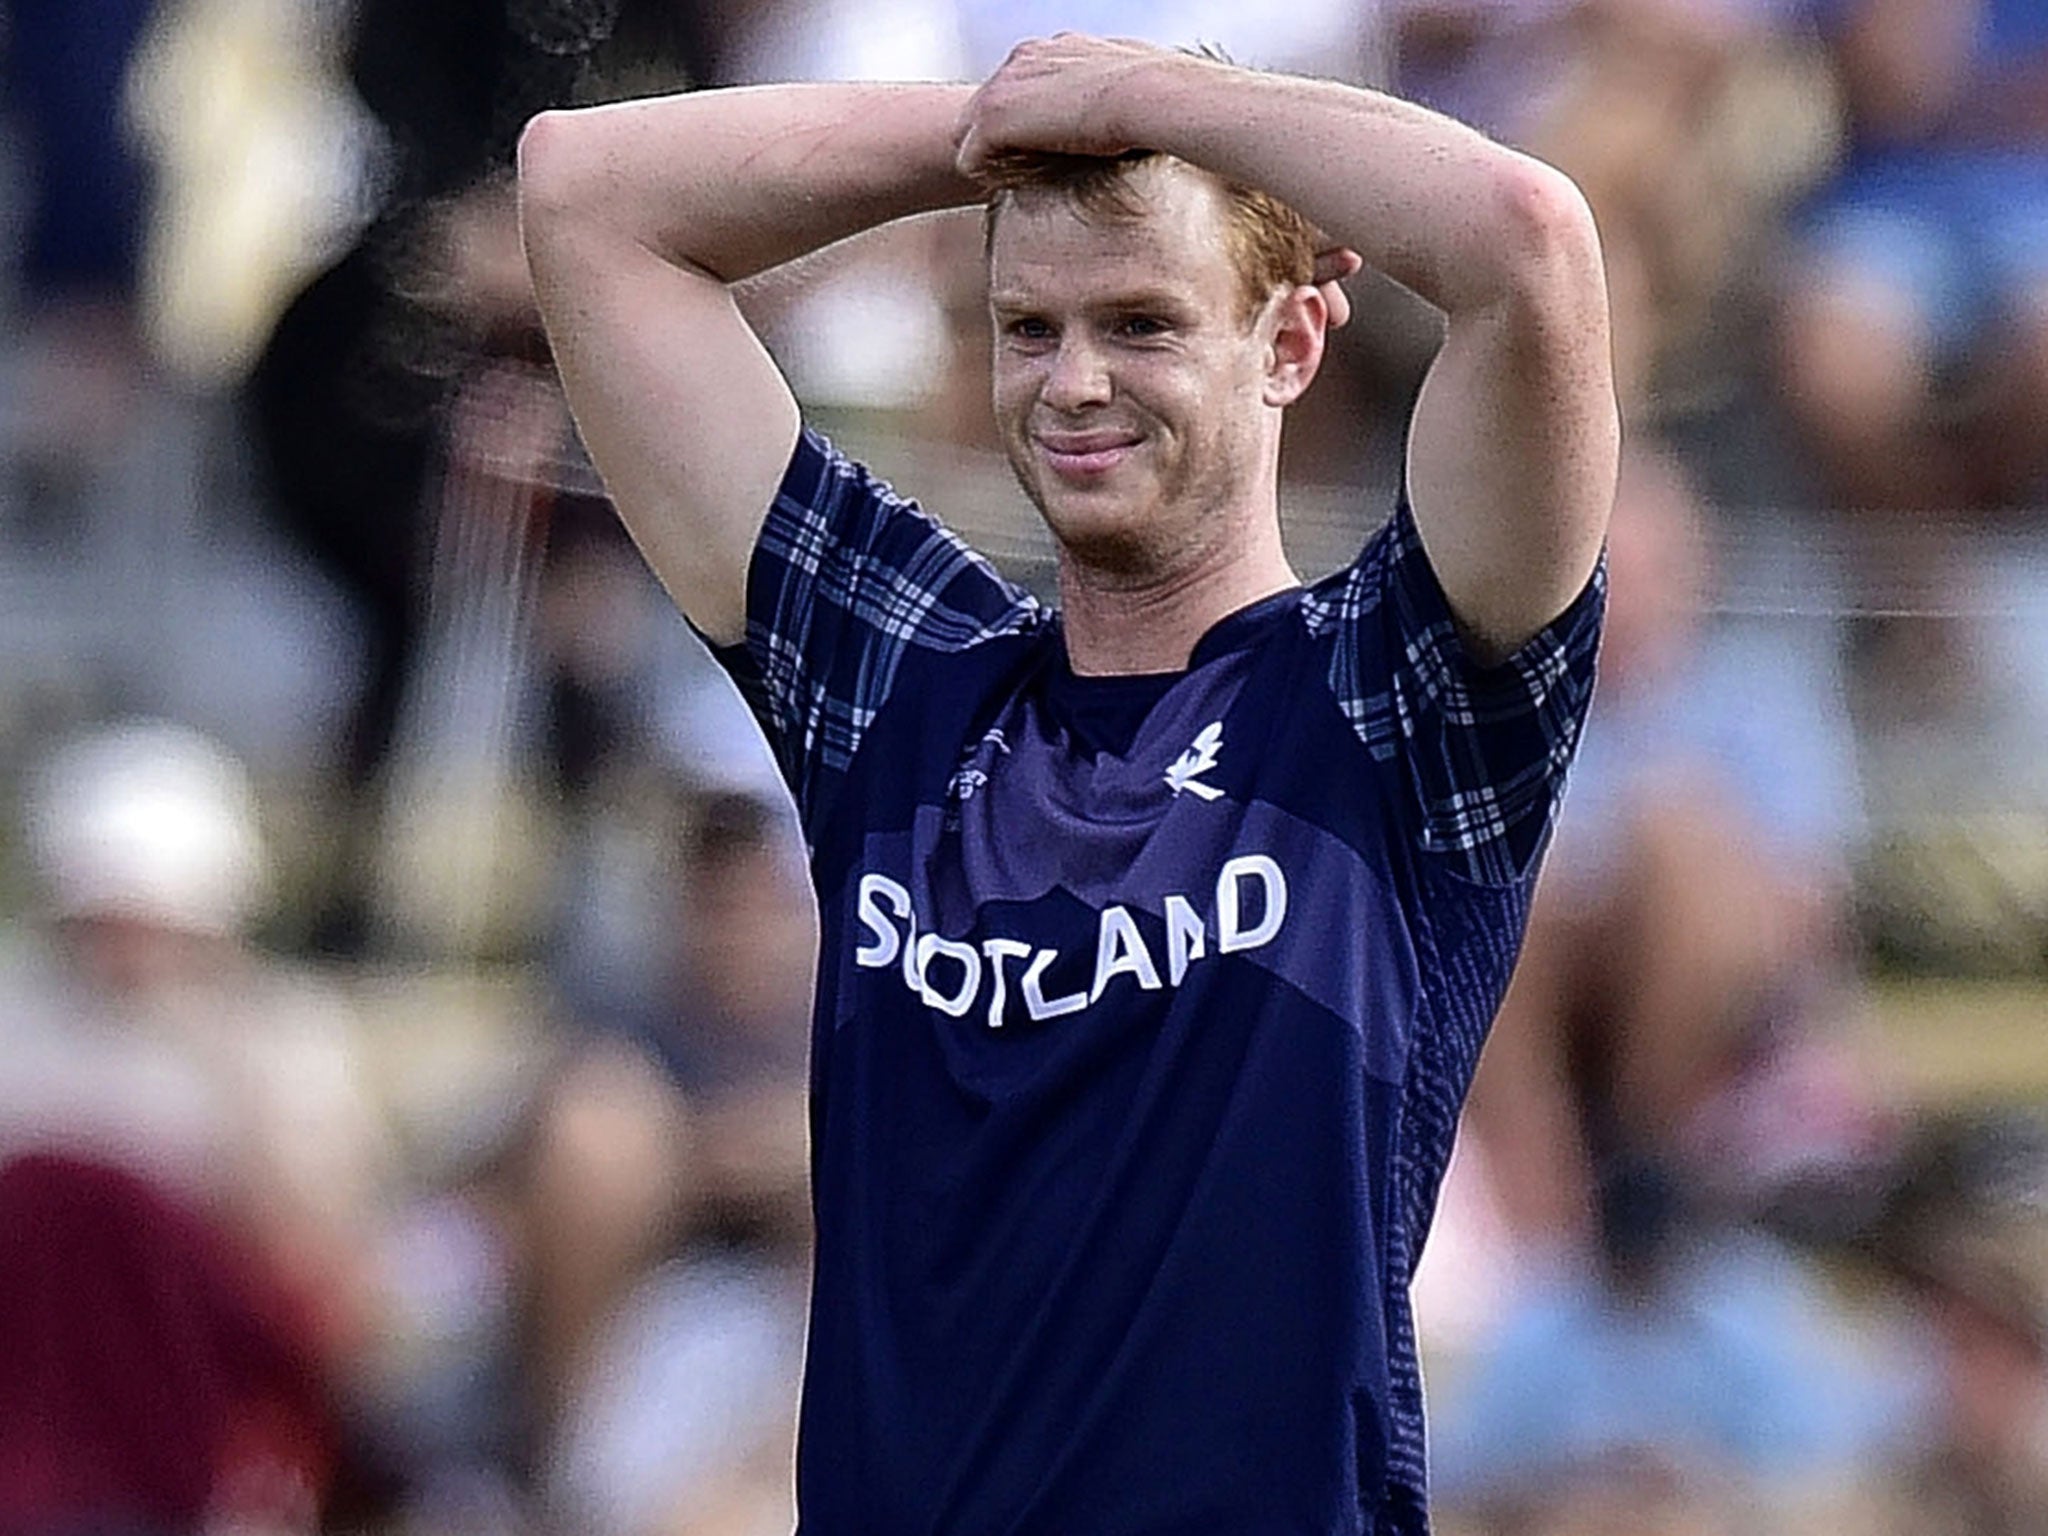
(1145,1010)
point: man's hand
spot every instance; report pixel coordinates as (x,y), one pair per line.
(1334,263)
(1058,96)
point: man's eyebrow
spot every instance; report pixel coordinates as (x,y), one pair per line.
(1165,300)
(1170,300)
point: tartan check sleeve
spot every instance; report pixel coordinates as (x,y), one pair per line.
(1484,749)
(845,578)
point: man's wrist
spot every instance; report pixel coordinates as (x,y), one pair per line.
(1155,105)
(1198,109)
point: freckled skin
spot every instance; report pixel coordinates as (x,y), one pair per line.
(1132,333)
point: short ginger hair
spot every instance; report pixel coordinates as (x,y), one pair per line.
(1271,245)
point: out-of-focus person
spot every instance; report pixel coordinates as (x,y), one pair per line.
(182,1115)
(413,444)
(1686,989)
(1685,1375)
(662,1198)
(1915,330)
(1687,123)
(1913,357)
(1961,1232)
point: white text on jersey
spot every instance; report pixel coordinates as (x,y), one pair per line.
(951,974)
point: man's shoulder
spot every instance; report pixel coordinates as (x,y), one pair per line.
(893,562)
(1352,592)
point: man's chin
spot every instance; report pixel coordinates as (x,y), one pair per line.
(1098,520)
(1109,535)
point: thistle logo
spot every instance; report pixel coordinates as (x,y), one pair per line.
(1198,759)
(968,779)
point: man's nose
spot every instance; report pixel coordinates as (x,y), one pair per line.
(1078,375)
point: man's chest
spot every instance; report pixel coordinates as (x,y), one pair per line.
(1011,883)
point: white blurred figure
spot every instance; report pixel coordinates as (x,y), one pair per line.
(687,1426)
(146,1037)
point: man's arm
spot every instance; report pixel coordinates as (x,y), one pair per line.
(638,219)
(1513,447)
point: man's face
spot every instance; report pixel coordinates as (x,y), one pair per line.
(1127,375)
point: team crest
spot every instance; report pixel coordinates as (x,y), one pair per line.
(970,777)
(1186,770)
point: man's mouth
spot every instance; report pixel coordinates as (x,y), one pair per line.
(1085,455)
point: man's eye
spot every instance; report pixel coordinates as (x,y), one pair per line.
(1028,328)
(1143,326)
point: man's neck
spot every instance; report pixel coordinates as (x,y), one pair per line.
(1116,624)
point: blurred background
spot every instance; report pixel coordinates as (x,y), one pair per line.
(401,1060)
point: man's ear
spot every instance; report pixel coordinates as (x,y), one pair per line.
(1298,319)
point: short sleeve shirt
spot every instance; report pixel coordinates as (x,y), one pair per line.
(1134,1068)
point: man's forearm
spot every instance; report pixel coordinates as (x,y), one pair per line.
(638,218)
(737,181)
(1434,204)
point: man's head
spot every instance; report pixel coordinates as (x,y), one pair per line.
(1151,323)
(1268,243)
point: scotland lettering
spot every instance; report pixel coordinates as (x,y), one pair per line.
(1003,974)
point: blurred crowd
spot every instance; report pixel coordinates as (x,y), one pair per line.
(402,1069)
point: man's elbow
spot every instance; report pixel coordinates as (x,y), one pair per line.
(1545,239)
(555,180)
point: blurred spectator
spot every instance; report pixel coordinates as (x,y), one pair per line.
(152,1380)
(652,1225)
(712,1069)
(1963,1231)
(417,448)
(347,402)
(1687,123)
(1681,1362)
(1915,336)
(187,1111)
(79,362)
(1686,975)
(1913,355)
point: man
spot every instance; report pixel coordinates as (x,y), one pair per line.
(1159,934)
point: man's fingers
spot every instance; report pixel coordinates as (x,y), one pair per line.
(967,137)
(1336,263)
(1332,266)
(1049,95)
(1338,305)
